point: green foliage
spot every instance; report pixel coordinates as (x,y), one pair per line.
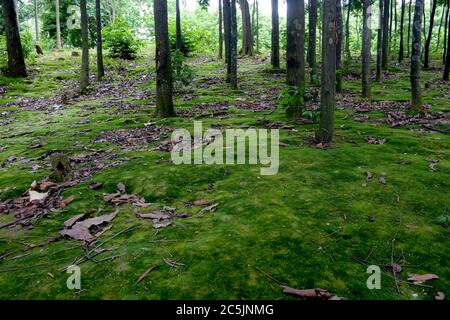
(120,41)
(292,97)
(182,74)
(28,47)
(3,55)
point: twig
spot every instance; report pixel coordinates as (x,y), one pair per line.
(269,276)
(145,274)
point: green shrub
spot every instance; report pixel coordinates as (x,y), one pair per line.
(119,40)
(182,74)
(28,47)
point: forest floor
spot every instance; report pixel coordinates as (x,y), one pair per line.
(318,223)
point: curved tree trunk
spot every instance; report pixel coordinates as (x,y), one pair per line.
(340,31)
(233,45)
(275,56)
(220,31)
(179,40)
(416,98)
(401,52)
(16,60)
(58,26)
(366,45)
(328,82)
(312,57)
(84,79)
(380,40)
(385,57)
(430,34)
(164,102)
(98,17)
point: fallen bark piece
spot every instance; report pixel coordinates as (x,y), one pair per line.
(315,293)
(69,223)
(419,278)
(81,230)
(95,185)
(65,202)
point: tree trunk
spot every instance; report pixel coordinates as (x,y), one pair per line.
(164,102)
(440,26)
(220,31)
(391,14)
(409,27)
(58,26)
(416,99)
(328,82)
(312,60)
(16,61)
(179,41)
(447,59)
(36,19)
(247,34)
(430,34)
(98,16)
(227,28)
(340,32)
(84,79)
(295,49)
(385,57)
(257,26)
(347,33)
(401,51)
(380,41)
(366,45)
(445,31)
(233,45)
(275,56)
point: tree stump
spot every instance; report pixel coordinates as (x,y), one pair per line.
(62,171)
(39,50)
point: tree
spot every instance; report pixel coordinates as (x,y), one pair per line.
(227,27)
(84,79)
(379,41)
(275,56)
(416,97)
(36,19)
(409,27)
(98,16)
(328,75)
(366,45)
(247,32)
(447,59)
(347,33)
(430,34)
(385,54)
(444,56)
(295,49)
(312,40)
(340,31)
(58,26)
(401,51)
(220,31)
(233,45)
(256,10)
(164,102)
(16,60)
(179,40)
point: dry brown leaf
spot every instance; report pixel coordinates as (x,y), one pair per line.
(419,278)
(315,293)
(202,202)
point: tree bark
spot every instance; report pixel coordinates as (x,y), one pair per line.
(179,41)
(220,31)
(247,33)
(233,45)
(295,51)
(275,56)
(257,26)
(447,59)
(440,26)
(347,33)
(328,82)
(36,19)
(227,28)
(84,79)
(416,98)
(409,28)
(366,45)
(340,31)
(385,57)
(401,51)
(445,31)
(16,60)
(58,26)
(98,16)
(312,57)
(430,34)
(164,102)
(380,40)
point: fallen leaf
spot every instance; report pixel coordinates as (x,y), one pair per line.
(382,180)
(121,188)
(202,202)
(210,208)
(419,278)
(69,223)
(36,196)
(95,185)
(307,293)
(65,202)
(80,230)
(439,296)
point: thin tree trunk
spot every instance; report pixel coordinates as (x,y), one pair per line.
(430,34)
(401,51)
(233,45)
(295,50)
(340,32)
(385,57)
(447,22)
(220,31)
(84,79)
(275,56)
(366,45)
(247,34)
(58,26)
(416,98)
(164,102)
(227,32)
(347,33)
(16,61)
(98,16)
(312,60)
(440,26)
(257,26)
(447,60)
(409,27)
(328,82)
(179,41)
(379,40)
(391,15)
(36,19)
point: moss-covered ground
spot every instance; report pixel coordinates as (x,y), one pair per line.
(305,226)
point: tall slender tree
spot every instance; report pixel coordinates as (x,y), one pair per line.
(416,97)
(227,33)
(366,45)
(379,40)
(58,26)
(16,60)
(257,26)
(409,28)
(295,50)
(385,57)
(328,74)
(430,34)
(275,56)
(98,18)
(447,23)
(340,33)
(233,45)
(84,79)
(179,40)
(247,33)
(164,99)
(220,31)
(36,19)
(401,52)
(312,26)
(347,33)
(447,59)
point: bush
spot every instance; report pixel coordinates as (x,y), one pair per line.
(119,40)
(28,47)
(182,74)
